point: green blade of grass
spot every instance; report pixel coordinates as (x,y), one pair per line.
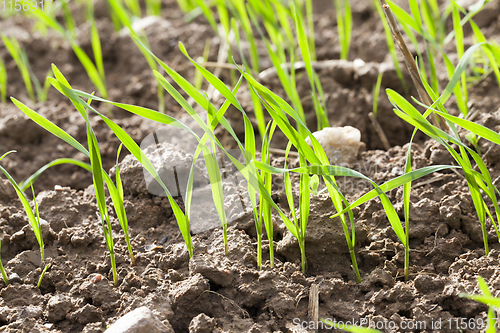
(27,183)
(15,50)
(49,126)
(90,68)
(412,116)
(2,270)
(117,197)
(96,48)
(491,311)
(45,269)
(406,206)
(135,150)
(34,222)
(3,82)
(396,182)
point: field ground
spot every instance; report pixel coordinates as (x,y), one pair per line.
(446,244)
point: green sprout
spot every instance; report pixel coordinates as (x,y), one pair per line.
(265,214)
(474,140)
(488,299)
(16,52)
(34,221)
(45,269)
(95,76)
(344,26)
(2,270)
(478,181)
(3,82)
(314,183)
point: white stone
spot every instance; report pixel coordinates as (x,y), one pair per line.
(341,144)
(141,320)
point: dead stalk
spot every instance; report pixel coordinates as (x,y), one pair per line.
(411,65)
(314,305)
(379,131)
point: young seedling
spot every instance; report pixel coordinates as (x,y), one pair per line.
(138,37)
(153,7)
(248,171)
(265,214)
(477,181)
(99,175)
(376,93)
(122,216)
(34,221)
(92,72)
(186,5)
(45,269)
(316,90)
(31,179)
(96,41)
(488,299)
(320,166)
(314,184)
(344,26)
(98,180)
(2,270)
(76,97)
(16,52)
(3,82)
(300,223)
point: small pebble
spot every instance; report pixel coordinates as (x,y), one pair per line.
(139,321)
(149,247)
(341,144)
(14,278)
(163,239)
(96,278)
(397,171)
(58,188)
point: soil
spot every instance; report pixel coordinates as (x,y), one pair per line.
(212,291)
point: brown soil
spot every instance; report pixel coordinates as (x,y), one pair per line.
(447,253)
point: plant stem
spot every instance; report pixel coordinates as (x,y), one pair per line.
(303,258)
(407,246)
(131,253)
(113,267)
(352,252)
(4,275)
(42,275)
(271,253)
(259,250)
(226,246)
(407,260)
(354,264)
(485,238)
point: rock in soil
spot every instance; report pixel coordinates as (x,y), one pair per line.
(341,144)
(141,320)
(202,324)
